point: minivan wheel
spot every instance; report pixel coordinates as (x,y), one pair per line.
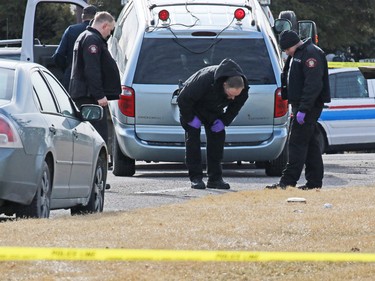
(41,204)
(123,166)
(275,167)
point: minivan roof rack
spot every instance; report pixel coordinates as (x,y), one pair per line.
(186,3)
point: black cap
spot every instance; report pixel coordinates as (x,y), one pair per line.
(89,10)
(288,38)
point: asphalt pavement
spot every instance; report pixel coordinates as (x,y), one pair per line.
(166,183)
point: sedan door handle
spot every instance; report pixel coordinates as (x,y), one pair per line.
(52,129)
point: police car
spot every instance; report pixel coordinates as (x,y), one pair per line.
(347,123)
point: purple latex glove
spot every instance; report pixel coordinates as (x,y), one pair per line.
(300,117)
(195,123)
(218,126)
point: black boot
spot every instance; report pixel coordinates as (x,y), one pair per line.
(218,184)
(197,184)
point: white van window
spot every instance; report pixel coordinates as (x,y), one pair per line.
(6,83)
(168,60)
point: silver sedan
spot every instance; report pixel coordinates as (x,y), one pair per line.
(51,157)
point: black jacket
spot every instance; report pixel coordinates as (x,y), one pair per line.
(64,53)
(94,71)
(308,83)
(203,94)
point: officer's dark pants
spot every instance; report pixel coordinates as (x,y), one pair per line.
(214,147)
(304,149)
(101,125)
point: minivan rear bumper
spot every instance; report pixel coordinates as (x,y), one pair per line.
(138,149)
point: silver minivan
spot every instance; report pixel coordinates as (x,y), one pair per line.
(158,44)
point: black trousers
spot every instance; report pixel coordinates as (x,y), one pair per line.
(101,125)
(214,149)
(304,149)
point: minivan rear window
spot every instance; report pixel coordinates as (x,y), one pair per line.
(168,60)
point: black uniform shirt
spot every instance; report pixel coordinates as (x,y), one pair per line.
(308,84)
(94,71)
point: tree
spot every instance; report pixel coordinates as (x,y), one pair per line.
(12,14)
(338,26)
(51,20)
(112,6)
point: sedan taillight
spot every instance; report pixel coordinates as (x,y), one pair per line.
(8,134)
(126,102)
(281,106)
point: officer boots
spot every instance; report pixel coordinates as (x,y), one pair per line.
(218,184)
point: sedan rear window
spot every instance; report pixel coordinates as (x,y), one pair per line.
(6,83)
(168,60)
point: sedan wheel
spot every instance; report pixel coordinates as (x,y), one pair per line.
(96,201)
(41,204)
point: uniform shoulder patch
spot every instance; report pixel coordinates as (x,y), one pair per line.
(311,63)
(93,49)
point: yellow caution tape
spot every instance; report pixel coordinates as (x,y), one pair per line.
(81,254)
(334,64)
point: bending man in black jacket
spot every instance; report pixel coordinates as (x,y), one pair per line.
(306,86)
(202,100)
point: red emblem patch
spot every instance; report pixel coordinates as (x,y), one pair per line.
(93,49)
(311,63)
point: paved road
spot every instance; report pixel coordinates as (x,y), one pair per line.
(155,184)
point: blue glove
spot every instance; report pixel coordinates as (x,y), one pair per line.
(218,126)
(300,117)
(195,123)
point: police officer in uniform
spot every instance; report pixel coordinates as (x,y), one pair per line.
(306,86)
(64,52)
(202,101)
(95,78)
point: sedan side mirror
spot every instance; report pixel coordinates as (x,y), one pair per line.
(91,112)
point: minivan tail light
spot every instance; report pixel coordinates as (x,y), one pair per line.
(8,134)
(281,106)
(126,103)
